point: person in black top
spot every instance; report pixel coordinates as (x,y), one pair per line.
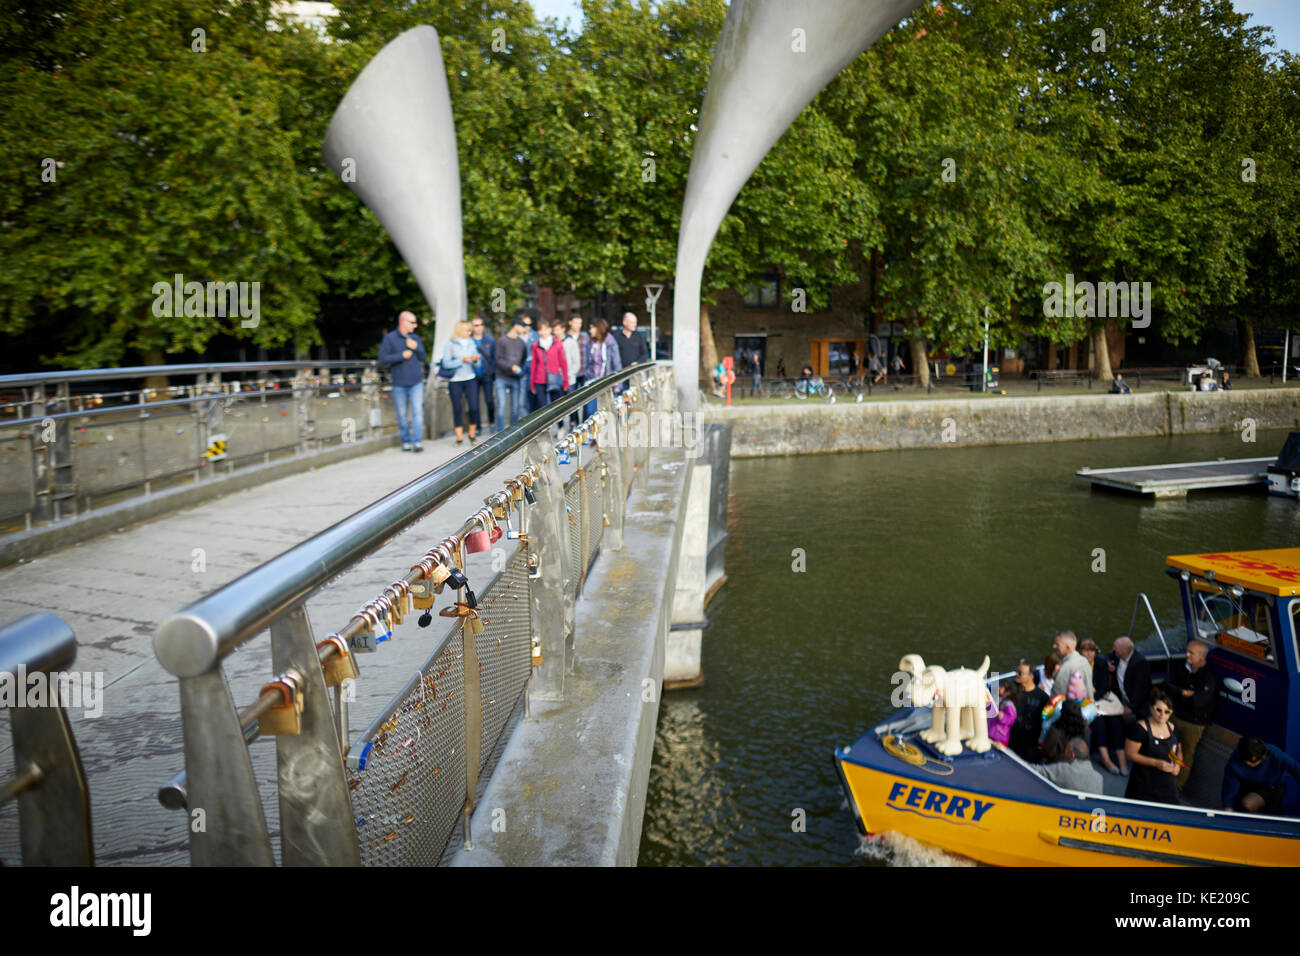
(632,347)
(1132,676)
(1152,749)
(1195,690)
(1107,732)
(1030,700)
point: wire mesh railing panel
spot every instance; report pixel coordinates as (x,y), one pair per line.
(594,508)
(411,794)
(572,507)
(504,648)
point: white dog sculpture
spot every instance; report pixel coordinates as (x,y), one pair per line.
(958,702)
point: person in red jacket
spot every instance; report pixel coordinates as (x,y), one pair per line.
(550,368)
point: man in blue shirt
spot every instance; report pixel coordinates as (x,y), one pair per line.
(402,353)
(1254,779)
(486,369)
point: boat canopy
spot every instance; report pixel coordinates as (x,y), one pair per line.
(1275,571)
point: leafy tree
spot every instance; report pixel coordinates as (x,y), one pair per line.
(174,157)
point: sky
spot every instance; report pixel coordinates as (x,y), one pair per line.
(1282,15)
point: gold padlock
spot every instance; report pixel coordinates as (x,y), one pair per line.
(500,505)
(285,718)
(422,594)
(421,589)
(340,666)
(537,653)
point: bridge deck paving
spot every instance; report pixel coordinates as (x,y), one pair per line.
(116,590)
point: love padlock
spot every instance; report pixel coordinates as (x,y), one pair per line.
(537,653)
(480,540)
(375,631)
(341,665)
(284,718)
(466,613)
(422,590)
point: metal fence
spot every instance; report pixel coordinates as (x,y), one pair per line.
(70,441)
(393,796)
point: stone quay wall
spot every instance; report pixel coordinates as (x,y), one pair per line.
(815,426)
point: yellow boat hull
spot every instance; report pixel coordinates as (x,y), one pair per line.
(1005,831)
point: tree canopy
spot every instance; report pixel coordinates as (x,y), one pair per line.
(976,152)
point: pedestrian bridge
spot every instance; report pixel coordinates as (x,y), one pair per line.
(518,731)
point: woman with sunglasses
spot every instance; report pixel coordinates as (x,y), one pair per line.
(1152,750)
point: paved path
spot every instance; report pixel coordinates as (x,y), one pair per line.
(115,591)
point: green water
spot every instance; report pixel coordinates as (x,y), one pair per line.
(949,553)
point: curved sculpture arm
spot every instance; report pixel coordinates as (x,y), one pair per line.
(765,71)
(393,140)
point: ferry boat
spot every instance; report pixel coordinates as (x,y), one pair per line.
(1284,474)
(993,808)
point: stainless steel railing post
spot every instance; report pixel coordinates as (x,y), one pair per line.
(316,822)
(552,591)
(50,785)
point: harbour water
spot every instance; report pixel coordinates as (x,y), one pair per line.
(949,553)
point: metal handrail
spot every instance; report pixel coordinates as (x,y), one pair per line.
(1133,621)
(198,398)
(193,641)
(200,368)
(36,642)
(49,782)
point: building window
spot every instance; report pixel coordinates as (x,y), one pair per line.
(763,294)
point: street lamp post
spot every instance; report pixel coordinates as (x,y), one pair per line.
(984,384)
(652,293)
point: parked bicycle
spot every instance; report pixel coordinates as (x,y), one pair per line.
(811,387)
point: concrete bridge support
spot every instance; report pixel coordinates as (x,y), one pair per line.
(700,570)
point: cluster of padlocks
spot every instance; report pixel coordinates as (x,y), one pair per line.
(442,566)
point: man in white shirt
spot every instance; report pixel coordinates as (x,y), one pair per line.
(1072,661)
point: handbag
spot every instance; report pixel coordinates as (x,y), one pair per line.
(555,381)
(445,371)
(1110,705)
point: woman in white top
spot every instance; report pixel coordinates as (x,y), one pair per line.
(462,355)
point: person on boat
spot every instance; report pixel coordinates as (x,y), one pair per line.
(1152,749)
(1029,701)
(1000,726)
(1106,732)
(1067,764)
(1066,644)
(1195,690)
(1051,667)
(1132,676)
(1072,722)
(1254,780)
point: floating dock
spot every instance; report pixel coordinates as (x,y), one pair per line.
(1174,481)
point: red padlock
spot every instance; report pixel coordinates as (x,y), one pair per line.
(481,540)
